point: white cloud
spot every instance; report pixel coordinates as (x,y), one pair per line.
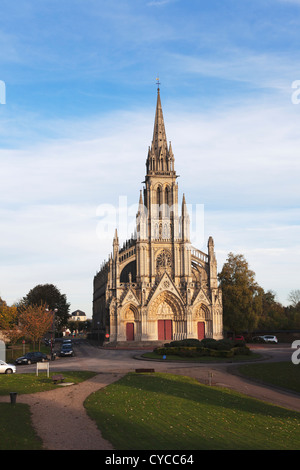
(269,240)
(242,161)
(160,2)
(270,70)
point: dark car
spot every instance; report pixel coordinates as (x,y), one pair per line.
(32,357)
(66,350)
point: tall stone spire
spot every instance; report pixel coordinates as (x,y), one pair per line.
(159,141)
(160,157)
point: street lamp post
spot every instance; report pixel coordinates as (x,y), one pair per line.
(52,330)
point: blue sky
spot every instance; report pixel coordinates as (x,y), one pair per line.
(80,80)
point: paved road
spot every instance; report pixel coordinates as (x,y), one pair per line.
(107,361)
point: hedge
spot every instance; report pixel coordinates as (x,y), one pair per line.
(221,344)
(192,352)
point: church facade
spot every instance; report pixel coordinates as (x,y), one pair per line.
(157,287)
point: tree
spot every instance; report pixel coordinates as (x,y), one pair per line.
(8,315)
(294,297)
(35,321)
(273,314)
(9,320)
(293,310)
(242,296)
(49,295)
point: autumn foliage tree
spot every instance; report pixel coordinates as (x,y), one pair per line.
(8,316)
(35,321)
(49,295)
(9,321)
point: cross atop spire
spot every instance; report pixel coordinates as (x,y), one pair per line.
(157,83)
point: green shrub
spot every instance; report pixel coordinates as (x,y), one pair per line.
(208,343)
(189,342)
(224,344)
(241,351)
(221,344)
(220,353)
(188,352)
(193,352)
(206,347)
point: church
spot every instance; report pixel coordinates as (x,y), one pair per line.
(157,287)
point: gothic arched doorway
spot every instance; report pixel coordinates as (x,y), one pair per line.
(165,318)
(130,323)
(202,324)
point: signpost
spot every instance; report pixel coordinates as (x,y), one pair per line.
(42,366)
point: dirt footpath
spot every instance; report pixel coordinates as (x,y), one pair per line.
(60,419)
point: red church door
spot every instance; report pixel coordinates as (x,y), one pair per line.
(201,330)
(165,331)
(129,331)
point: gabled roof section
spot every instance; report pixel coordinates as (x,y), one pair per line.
(131,297)
(202,297)
(166,284)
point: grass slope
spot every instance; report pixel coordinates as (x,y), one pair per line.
(281,374)
(162,411)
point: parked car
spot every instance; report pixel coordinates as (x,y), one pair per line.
(237,338)
(7,368)
(270,338)
(66,350)
(258,339)
(32,357)
(265,339)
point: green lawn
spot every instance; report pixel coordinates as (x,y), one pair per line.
(280,374)
(167,412)
(30,383)
(16,429)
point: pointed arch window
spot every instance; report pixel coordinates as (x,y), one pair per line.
(158,196)
(167,195)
